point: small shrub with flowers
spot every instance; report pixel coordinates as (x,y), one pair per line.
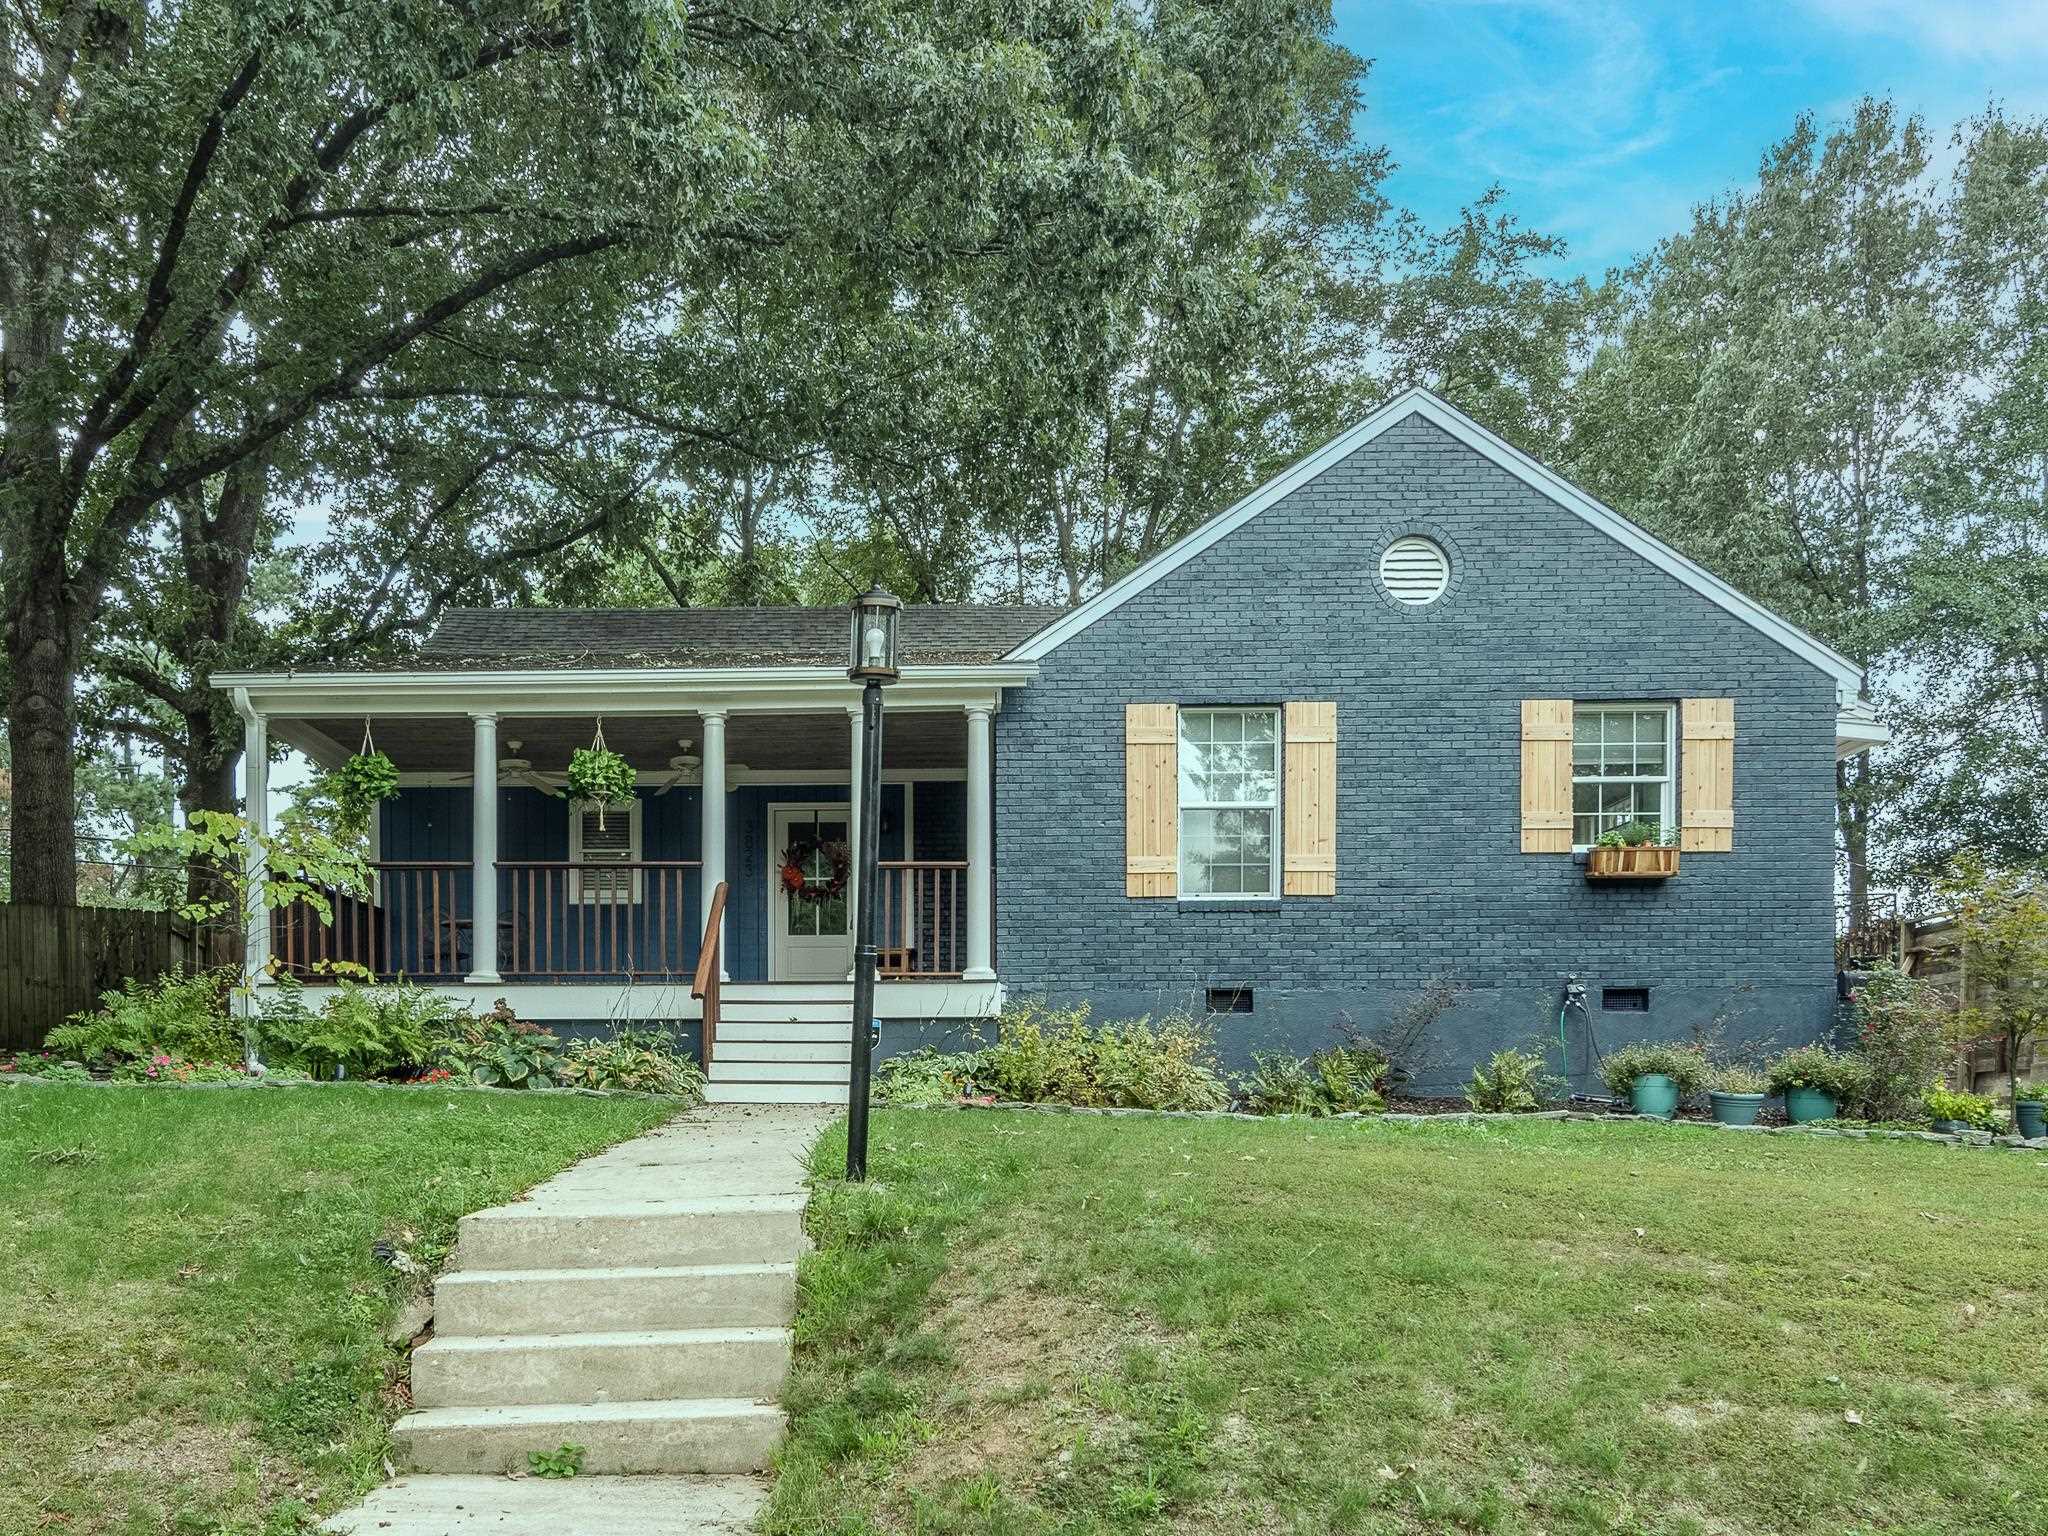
(167,1070)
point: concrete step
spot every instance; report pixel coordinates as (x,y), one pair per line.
(642,1366)
(780,1070)
(793,1031)
(470,1303)
(702,1436)
(784,1050)
(775,1093)
(562,1234)
(455,1504)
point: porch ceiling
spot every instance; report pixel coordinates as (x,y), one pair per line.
(771,742)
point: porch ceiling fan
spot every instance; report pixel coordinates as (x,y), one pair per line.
(684,763)
(516,769)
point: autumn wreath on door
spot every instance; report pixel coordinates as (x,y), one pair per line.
(801,856)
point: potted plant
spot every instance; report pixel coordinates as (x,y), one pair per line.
(2030,1109)
(1642,850)
(1654,1077)
(359,785)
(1736,1093)
(1817,1081)
(600,777)
(1954,1113)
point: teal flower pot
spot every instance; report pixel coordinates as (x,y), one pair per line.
(2030,1118)
(1804,1104)
(1735,1108)
(1949,1127)
(1654,1094)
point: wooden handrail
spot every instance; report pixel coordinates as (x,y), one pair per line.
(704,985)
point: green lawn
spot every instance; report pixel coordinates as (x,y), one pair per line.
(1035,1323)
(192,1334)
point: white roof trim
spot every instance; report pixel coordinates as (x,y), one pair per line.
(1420,402)
(1857,729)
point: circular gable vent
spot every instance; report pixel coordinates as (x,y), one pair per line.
(1415,571)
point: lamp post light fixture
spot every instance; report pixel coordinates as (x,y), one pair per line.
(872,662)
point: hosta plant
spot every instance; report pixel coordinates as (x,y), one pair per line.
(633,1061)
(501,1050)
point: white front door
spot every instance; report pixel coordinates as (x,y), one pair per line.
(807,933)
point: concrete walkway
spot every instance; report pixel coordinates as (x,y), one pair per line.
(638,1305)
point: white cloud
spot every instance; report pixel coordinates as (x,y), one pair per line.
(1972,29)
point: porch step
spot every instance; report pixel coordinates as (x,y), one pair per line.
(790,1011)
(482,1302)
(731,1229)
(777,1070)
(703,1435)
(787,991)
(731,1030)
(775,1093)
(741,1051)
(535,1368)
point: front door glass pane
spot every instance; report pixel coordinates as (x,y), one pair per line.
(811,915)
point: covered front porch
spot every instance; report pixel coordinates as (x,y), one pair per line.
(590,913)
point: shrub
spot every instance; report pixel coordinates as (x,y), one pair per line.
(171,1069)
(1046,1055)
(1732,1077)
(1838,1074)
(1971,1109)
(1513,1082)
(174,1015)
(1685,1065)
(925,1077)
(366,1031)
(1909,1031)
(1409,1041)
(633,1061)
(500,1050)
(55,1068)
(1340,1081)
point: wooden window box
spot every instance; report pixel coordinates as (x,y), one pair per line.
(1648,862)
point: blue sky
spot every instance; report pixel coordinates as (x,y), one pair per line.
(1607,120)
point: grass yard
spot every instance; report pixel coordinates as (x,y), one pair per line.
(192,1338)
(1036,1323)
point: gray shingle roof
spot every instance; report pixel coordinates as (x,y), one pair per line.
(928,635)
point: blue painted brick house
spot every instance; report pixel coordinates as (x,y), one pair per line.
(1359,734)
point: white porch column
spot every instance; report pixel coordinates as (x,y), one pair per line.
(712,812)
(483,854)
(980,845)
(256,808)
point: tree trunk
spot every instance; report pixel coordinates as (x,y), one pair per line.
(42,653)
(208,784)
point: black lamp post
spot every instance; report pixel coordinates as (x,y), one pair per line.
(872,663)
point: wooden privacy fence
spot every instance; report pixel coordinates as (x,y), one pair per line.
(55,961)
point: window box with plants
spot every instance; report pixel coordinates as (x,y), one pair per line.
(1817,1083)
(1642,850)
(1654,1077)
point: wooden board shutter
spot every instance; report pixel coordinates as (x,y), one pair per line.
(1308,799)
(1706,803)
(1546,775)
(1151,800)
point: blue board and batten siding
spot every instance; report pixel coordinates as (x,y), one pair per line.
(1430,877)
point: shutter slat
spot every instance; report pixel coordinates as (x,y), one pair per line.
(1151,800)
(1546,775)
(1707,783)
(1309,800)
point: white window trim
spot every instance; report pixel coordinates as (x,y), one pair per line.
(1272,891)
(1669,778)
(590,895)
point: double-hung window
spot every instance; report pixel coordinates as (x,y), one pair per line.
(1621,768)
(597,839)
(1229,802)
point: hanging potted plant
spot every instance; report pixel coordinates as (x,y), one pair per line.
(598,776)
(361,784)
(1642,850)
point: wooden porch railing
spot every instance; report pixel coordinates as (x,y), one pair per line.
(409,924)
(710,961)
(562,919)
(921,917)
